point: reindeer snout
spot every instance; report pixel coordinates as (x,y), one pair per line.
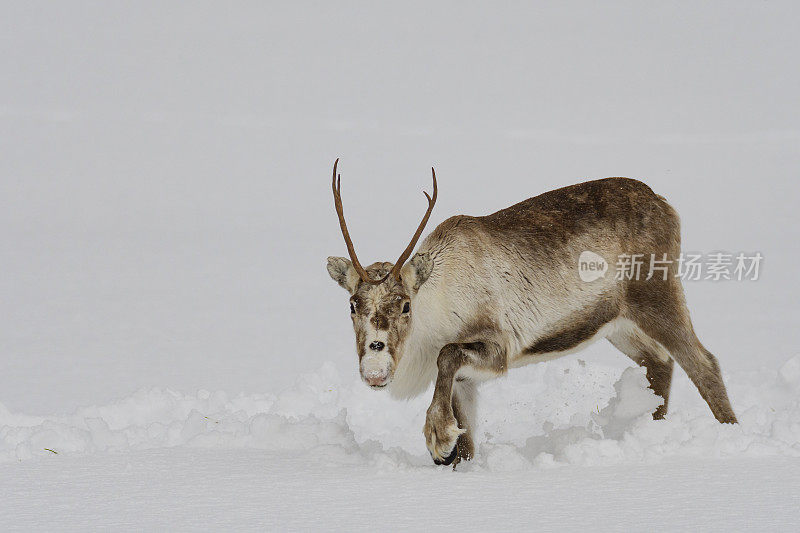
(376,369)
(376,378)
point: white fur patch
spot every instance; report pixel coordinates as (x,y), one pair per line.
(376,364)
(373,334)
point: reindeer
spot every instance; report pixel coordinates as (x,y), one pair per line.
(484,294)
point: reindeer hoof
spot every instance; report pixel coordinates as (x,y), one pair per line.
(449,459)
(441,435)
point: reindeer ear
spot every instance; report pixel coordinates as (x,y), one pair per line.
(417,270)
(343,273)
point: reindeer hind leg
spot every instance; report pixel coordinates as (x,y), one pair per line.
(659,309)
(646,352)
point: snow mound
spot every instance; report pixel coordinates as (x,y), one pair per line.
(539,417)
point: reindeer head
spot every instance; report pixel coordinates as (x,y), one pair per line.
(381,297)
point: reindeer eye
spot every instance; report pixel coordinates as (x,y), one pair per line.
(406,307)
(352,308)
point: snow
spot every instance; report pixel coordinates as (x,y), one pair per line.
(195,489)
(561,445)
(167,327)
(564,413)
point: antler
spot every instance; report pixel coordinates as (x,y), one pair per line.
(337,200)
(410,248)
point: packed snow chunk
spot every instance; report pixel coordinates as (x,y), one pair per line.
(634,399)
(790,373)
(316,393)
(103,438)
(275,432)
(505,458)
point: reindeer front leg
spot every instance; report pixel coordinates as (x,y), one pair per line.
(471,361)
(465,397)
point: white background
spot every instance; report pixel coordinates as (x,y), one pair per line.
(165,205)
(166,210)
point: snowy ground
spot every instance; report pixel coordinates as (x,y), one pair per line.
(564,445)
(203,489)
(165,215)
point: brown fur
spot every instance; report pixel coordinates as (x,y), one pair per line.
(577,329)
(388,315)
